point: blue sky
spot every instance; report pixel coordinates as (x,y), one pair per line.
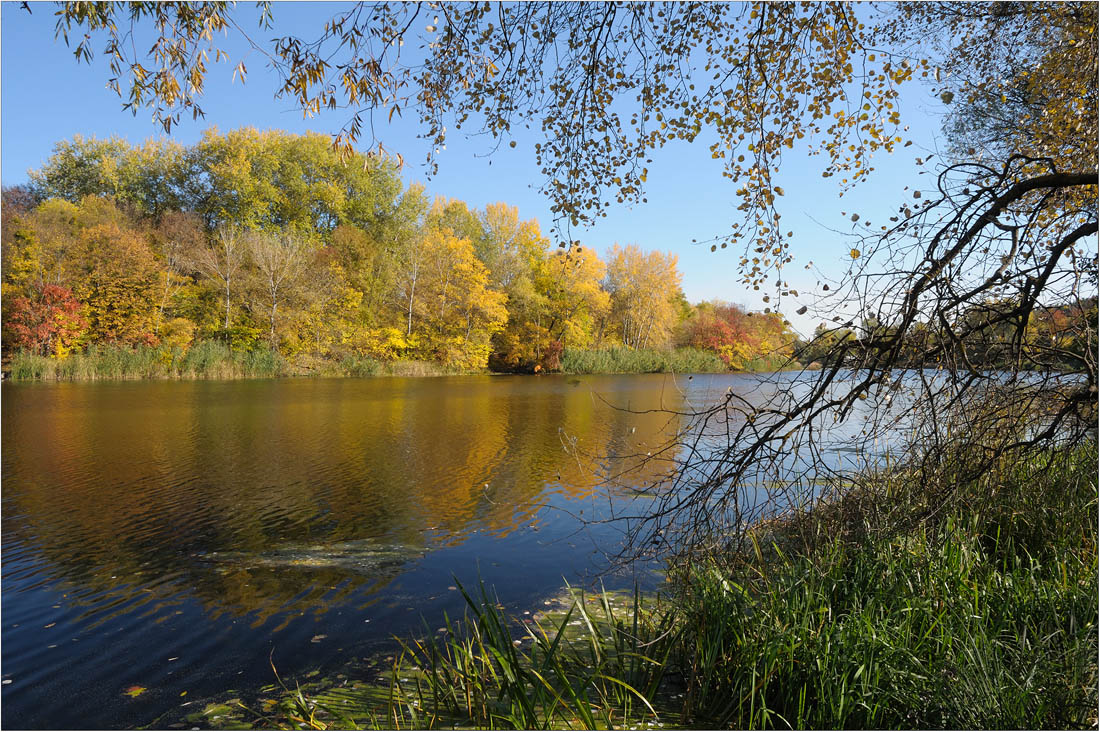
(46,96)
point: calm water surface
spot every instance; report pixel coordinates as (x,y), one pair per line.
(177,535)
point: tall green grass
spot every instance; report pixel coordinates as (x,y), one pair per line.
(641,361)
(204,360)
(483,675)
(983,617)
(923,632)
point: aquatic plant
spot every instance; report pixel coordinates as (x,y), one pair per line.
(640,361)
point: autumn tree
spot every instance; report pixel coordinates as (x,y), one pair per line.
(515,252)
(575,299)
(222,261)
(411,264)
(281,261)
(176,238)
(460,312)
(48,322)
(643,288)
(116,279)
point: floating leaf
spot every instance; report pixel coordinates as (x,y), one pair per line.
(134,691)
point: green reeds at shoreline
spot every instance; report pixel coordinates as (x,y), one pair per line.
(203,360)
(984,616)
(215,360)
(641,361)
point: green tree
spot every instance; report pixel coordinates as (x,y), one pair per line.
(275,180)
(152,178)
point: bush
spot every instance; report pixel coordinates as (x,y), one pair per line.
(360,366)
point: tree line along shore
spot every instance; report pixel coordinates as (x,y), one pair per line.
(262,253)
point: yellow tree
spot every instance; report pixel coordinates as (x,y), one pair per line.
(117,283)
(514,251)
(575,301)
(460,311)
(644,290)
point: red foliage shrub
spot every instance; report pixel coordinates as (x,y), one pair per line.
(49,323)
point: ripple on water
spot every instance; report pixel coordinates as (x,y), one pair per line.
(115,496)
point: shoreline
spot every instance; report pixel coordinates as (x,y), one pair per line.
(225,365)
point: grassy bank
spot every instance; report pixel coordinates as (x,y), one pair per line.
(215,360)
(981,615)
(910,601)
(203,360)
(631,361)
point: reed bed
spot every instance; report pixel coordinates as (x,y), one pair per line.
(203,360)
(640,361)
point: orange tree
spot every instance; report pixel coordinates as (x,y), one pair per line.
(47,323)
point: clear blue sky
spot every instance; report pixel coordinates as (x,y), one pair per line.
(46,96)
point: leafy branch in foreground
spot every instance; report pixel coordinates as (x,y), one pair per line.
(607,84)
(954,286)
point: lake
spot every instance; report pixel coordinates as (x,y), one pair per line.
(184,536)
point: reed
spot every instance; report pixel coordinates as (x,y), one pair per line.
(203,360)
(640,361)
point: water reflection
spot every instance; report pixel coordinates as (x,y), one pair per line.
(142,515)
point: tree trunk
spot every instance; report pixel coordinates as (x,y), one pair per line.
(274,300)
